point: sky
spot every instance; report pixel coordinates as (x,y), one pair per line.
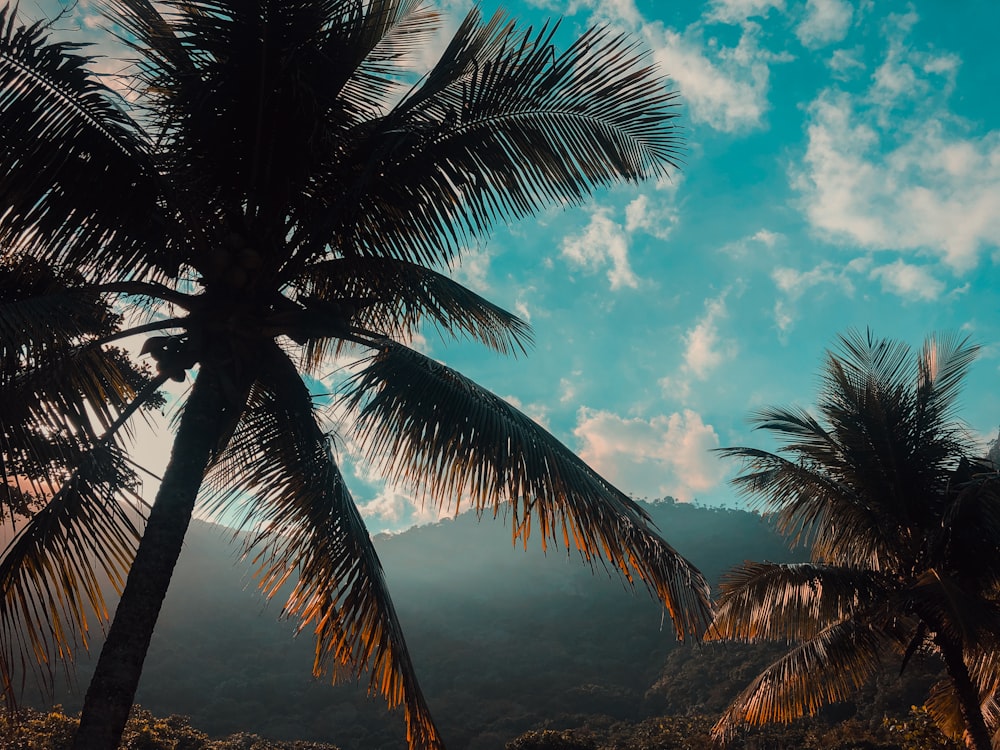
(841,169)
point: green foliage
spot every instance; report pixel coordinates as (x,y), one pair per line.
(917,731)
(902,518)
(29,729)
(548,739)
(693,732)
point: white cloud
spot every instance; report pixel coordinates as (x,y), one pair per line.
(737,11)
(393,510)
(724,87)
(795,283)
(657,220)
(908,281)
(603,243)
(704,348)
(766,237)
(521,308)
(664,455)
(937,192)
(845,62)
(616,12)
(746,245)
(472,269)
(783,318)
(825,22)
(568,388)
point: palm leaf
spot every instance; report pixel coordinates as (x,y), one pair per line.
(501,127)
(790,602)
(970,528)
(392,32)
(806,498)
(945,709)
(954,609)
(62,128)
(825,669)
(58,389)
(943,363)
(279,474)
(395,297)
(441,434)
(53,572)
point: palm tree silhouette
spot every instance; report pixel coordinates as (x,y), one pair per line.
(271,195)
(903,521)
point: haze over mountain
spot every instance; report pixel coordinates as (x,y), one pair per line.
(502,639)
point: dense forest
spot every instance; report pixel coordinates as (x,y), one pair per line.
(512,646)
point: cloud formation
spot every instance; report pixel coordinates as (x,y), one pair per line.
(724,87)
(825,22)
(664,455)
(602,244)
(894,170)
(909,281)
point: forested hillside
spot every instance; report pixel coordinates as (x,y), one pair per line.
(503,639)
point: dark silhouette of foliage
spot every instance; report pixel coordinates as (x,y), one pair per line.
(903,523)
(274,197)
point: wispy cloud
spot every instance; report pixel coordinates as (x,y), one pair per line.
(652,216)
(705,349)
(472,269)
(724,87)
(795,283)
(602,244)
(737,11)
(745,246)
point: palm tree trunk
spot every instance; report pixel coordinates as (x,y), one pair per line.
(116,678)
(977,736)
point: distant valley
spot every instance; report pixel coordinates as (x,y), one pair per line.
(503,639)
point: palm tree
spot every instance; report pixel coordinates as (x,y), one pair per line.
(903,522)
(269,195)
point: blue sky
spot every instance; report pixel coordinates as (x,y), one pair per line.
(842,169)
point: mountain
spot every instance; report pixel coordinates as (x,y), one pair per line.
(503,639)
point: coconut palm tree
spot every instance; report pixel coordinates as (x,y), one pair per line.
(269,193)
(903,521)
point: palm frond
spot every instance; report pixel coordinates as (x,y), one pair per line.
(395,297)
(503,126)
(58,389)
(860,360)
(53,572)
(814,507)
(393,31)
(943,363)
(945,709)
(446,437)
(954,609)
(790,602)
(279,474)
(970,530)
(62,128)
(823,670)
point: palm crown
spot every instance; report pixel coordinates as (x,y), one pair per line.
(904,526)
(271,198)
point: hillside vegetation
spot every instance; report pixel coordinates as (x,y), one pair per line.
(506,641)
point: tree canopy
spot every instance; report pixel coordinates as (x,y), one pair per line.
(902,517)
(268,196)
